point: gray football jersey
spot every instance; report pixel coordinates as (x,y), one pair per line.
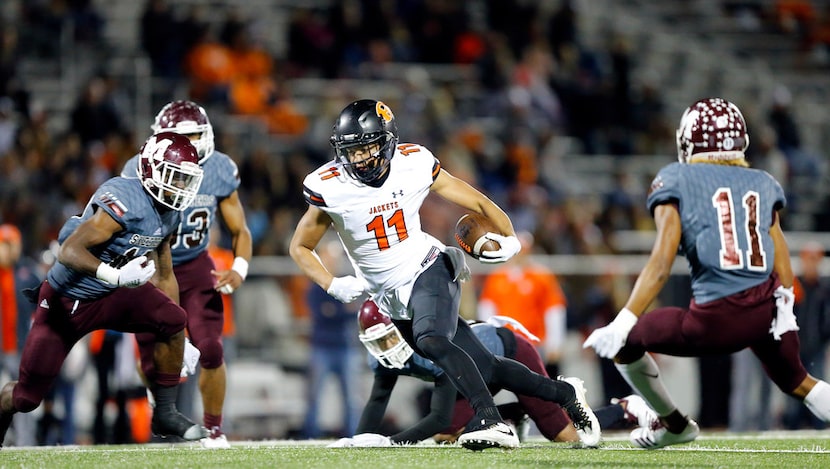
(726,213)
(221,179)
(144,228)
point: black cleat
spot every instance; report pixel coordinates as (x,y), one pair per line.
(171,423)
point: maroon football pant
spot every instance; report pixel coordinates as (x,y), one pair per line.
(548,416)
(59,322)
(205,317)
(722,326)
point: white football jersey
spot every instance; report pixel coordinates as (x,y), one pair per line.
(380,227)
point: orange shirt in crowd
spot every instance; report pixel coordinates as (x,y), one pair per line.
(525,294)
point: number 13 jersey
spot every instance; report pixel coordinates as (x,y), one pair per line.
(726,213)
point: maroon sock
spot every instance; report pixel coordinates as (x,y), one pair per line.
(214,424)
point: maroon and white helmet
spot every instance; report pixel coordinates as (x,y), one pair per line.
(711,129)
(381,338)
(168,167)
(187,118)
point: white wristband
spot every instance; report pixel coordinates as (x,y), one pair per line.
(107,273)
(626,318)
(240,266)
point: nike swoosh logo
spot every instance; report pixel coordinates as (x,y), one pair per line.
(655,375)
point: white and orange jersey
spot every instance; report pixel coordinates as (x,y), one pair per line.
(380,227)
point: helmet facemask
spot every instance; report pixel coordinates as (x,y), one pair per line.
(365,158)
(171,181)
(385,342)
(175,186)
(364,139)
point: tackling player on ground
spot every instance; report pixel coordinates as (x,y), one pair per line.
(449,413)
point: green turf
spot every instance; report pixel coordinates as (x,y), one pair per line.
(781,450)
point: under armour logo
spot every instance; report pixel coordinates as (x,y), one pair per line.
(395,194)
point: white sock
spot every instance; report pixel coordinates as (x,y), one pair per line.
(818,400)
(644,376)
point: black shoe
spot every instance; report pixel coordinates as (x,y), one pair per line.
(171,423)
(5,422)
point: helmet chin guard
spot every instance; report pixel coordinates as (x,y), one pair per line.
(381,338)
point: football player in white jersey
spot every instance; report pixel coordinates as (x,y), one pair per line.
(371,194)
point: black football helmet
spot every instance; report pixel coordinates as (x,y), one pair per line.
(381,338)
(364,139)
(168,167)
(711,129)
(187,118)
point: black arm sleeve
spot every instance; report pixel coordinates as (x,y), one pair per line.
(441,407)
(372,417)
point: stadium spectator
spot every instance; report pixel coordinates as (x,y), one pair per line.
(17,273)
(334,351)
(812,308)
(529,293)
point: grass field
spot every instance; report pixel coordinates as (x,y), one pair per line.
(784,450)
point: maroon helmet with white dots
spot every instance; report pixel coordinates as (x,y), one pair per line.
(381,338)
(711,129)
(187,118)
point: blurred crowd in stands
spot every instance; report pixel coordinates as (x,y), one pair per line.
(533,92)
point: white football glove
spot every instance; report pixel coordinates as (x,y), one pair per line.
(371,440)
(190,359)
(509,247)
(346,289)
(132,275)
(784,320)
(342,443)
(607,341)
(362,440)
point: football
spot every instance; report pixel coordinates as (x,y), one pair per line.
(469,234)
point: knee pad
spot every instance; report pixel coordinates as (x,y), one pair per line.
(210,353)
(434,347)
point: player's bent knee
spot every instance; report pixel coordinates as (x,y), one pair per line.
(211,353)
(434,346)
(170,321)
